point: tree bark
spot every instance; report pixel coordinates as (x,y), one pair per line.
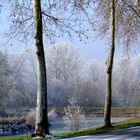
(109,67)
(138,5)
(41,127)
(136,9)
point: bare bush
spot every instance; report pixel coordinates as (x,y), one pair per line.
(74,116)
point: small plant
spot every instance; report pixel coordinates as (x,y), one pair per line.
(74,116)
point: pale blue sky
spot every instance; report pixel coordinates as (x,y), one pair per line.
(95,48)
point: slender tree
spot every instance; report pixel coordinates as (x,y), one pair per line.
(41,127)
(137,4)
(126,33)
(109,66)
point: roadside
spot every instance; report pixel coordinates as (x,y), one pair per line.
(92,131)
(132,133)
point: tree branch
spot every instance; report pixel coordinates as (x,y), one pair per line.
(131,8)
(50,16)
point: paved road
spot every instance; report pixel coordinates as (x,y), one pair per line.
(132,133)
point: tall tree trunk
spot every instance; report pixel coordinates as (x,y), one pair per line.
(137,3)
(109,67)
(41,127)
(138,6)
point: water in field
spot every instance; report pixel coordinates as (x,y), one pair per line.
(90,122)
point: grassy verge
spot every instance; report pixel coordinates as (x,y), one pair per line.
(116,126)
(20,138)
(14,138)
(91,131)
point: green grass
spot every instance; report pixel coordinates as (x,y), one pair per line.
(91,131)
(14,138)
(19,138)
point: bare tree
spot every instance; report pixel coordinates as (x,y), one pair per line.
(127,23)
(125,87)
(5,82)
(96,76)
(127,32)
(95,71)
(63,62)
(109,66)
(58,93)
(68,19)
(74,116)
(41,117)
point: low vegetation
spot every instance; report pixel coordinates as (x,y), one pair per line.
(22,138)
(91,131)
(74,115)
(14,138)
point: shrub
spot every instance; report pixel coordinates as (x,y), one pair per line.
(74,116)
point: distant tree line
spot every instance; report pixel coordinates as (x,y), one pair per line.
(69,75)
